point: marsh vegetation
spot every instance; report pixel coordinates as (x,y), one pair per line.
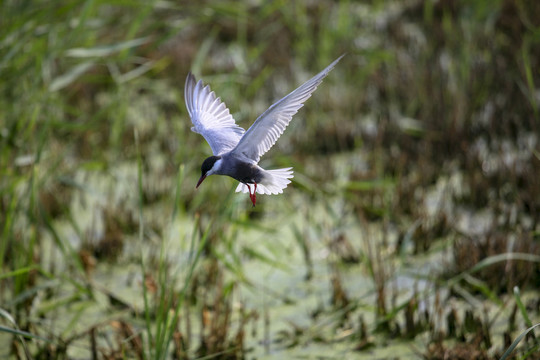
(411,229)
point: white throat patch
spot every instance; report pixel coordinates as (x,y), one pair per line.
(215,168)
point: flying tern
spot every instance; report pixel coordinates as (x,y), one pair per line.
(236,152)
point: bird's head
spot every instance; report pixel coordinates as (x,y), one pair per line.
(209,166)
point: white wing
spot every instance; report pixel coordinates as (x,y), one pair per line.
(268,127)
(210,117)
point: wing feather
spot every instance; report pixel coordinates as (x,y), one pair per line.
(268,127)
(210,117)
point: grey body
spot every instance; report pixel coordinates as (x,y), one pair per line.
(240,169)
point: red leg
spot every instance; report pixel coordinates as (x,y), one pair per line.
(254,198)
(249,189)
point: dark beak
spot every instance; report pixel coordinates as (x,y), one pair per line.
(200,180)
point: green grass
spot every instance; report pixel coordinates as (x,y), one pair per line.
(415,196)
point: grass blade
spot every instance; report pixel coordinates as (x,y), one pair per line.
(107,50)
(521,307)
(517,341)
(64,80)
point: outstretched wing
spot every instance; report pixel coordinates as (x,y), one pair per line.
(268,127)
(210,117)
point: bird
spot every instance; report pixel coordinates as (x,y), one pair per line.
(236,152)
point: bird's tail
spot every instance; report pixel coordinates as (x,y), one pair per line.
(273,183)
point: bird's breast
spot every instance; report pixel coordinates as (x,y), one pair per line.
(245,172)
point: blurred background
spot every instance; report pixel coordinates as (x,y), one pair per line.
(411,229)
